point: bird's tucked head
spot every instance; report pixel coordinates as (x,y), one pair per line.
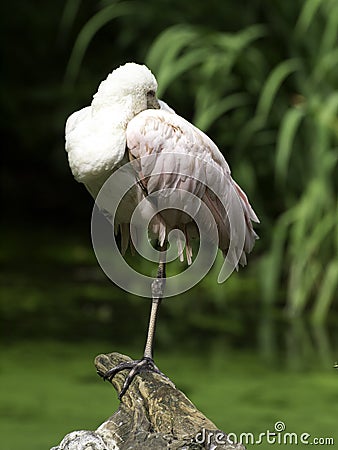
(131,87)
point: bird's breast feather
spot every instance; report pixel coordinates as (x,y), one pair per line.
(94,146)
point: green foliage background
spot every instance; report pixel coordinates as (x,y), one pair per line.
(260,77)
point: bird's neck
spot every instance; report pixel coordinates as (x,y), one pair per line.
(117,111)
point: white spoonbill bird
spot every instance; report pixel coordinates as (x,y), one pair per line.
(126,122)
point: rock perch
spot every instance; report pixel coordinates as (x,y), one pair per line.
(152,415)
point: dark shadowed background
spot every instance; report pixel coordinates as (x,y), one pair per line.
(260,78)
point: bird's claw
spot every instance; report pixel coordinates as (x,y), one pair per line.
(145,364)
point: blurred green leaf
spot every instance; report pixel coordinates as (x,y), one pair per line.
(272,84)
(69,14)
(285,141)
(207,116)
(327,293)
(86,35)
(307,15)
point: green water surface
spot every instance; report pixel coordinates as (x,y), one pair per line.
(50,388)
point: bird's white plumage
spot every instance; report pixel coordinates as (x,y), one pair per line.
(119,123)
(127,86)
(95,135)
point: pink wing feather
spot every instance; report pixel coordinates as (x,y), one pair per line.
(167,137)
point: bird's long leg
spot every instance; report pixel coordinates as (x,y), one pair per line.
(157,290)
(147,362)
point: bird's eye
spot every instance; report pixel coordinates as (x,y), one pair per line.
(151,93)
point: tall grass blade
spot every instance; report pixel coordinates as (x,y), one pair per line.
(330,35)
(249,131)
(328,115)
(327,293)
(206,117)
(272,266)
(273,83)
(285,141)
(165,51)
(89,30)
(307,15)
(325,65)
(69,14)
(301,285)
(241,39)
(181,65)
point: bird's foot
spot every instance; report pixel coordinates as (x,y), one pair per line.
(145,364)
